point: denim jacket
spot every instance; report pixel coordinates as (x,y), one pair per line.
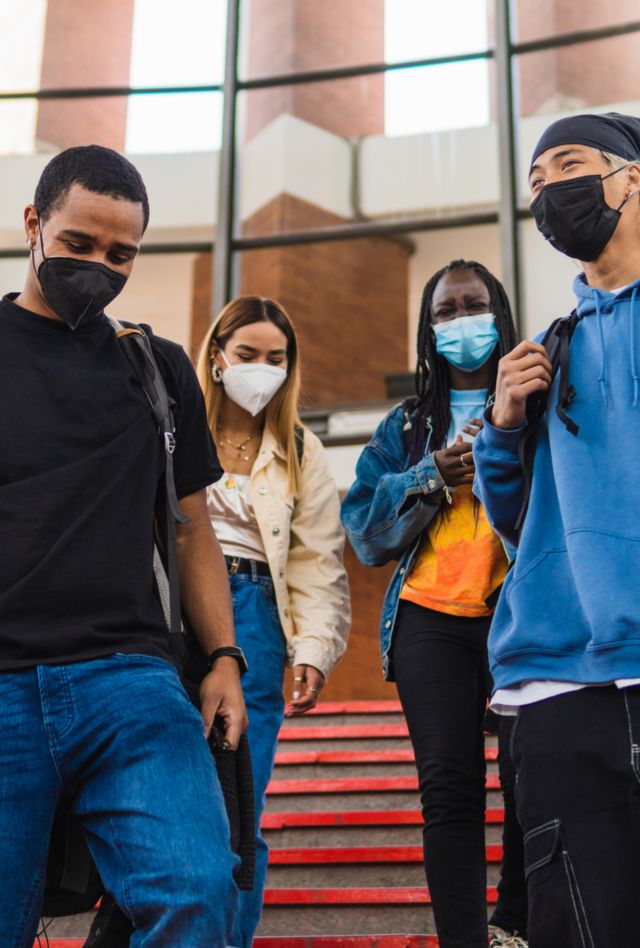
(388,508)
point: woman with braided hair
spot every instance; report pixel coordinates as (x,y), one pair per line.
(412,501)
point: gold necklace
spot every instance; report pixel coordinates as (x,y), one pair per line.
(240,448)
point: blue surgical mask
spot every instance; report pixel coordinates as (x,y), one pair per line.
(468,341)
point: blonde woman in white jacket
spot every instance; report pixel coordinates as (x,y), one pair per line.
(277,516)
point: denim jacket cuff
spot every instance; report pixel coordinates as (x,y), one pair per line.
(428,475)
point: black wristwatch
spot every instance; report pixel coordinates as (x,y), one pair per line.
(233,652)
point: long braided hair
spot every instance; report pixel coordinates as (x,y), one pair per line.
(432,375)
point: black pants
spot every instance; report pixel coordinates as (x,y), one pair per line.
(578,796)
(441,670)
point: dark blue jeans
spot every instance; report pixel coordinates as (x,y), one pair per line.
(120,735)
(260,635)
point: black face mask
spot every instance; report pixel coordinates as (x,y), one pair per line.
(77,290)
(574,216)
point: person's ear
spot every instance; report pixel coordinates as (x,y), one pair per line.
(31,225)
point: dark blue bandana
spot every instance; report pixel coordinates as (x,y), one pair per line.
(612,132)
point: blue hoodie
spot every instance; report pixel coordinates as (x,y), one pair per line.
(570,607)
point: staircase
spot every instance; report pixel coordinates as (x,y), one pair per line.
(344,828)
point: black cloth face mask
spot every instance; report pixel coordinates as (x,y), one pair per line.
(574,216)
(77,290)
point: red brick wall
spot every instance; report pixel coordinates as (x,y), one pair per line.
(85,44)
(282,36)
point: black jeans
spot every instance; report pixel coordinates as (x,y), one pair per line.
(441,671)
(578,796)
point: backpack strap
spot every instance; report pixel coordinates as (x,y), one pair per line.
(136,346)
(299,436)
(556,341)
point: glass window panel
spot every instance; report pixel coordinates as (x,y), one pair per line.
(151,123)
(546,18)
(547,280)
(21,44)
(176,122)
(321,154)
(555,83)
(17,126)
(175,45)
(281,37)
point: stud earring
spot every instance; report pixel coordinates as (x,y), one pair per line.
(216,374)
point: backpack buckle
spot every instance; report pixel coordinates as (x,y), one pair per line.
(169,442)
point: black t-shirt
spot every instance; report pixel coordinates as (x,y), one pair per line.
(80,465)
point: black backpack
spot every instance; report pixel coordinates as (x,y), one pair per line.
(73,884)
(556,341)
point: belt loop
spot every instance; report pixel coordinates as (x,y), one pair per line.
(233,565)
(254,571)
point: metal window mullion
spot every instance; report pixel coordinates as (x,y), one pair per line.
(507,162)
(222,279)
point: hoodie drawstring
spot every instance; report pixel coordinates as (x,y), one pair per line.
(602,378)
(632,346)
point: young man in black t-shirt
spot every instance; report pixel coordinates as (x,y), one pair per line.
(91,704)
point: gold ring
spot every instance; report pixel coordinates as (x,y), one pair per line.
(314,690)
(462,461)
(298,679)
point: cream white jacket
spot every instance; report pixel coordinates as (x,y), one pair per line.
(304,545)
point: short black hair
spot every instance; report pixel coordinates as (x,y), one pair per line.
(94,167)
(432,376)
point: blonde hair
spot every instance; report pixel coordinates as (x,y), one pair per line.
(281,414)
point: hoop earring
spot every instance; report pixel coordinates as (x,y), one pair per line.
(216,374)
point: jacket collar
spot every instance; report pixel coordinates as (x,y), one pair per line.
(269,447)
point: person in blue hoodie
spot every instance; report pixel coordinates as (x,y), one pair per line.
(565,640)
(412,502)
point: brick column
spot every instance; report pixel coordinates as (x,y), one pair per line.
(282,36)
(85,44)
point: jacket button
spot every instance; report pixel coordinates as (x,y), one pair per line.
(387,624)
(281,572)
(402,571)
(276,531)
(431,484)
(286,612)
(262,490)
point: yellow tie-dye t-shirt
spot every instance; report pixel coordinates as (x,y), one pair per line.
(460,562)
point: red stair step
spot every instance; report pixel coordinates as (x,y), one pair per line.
(359,896)
(393,756)
(339,731)
(355,785)
(320,855)
(356,707)
(349,941)
(276,821)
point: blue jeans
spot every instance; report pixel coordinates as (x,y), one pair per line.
(259,634)
(120,735)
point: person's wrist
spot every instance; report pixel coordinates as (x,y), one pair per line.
(228,655)
(504,419)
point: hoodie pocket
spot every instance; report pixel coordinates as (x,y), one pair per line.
(546,615)
(606,567)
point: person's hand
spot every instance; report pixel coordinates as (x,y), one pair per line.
(524,370)
(308,682)
(473,427)
(456,463)
(221,695)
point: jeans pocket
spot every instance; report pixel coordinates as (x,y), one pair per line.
(557,913)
